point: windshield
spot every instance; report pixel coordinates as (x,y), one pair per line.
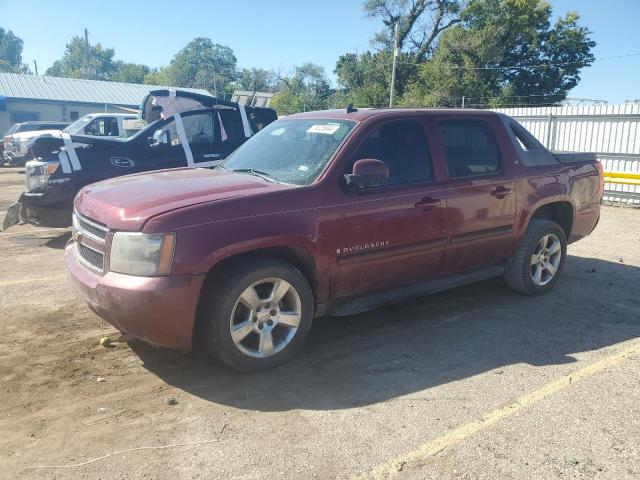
(78,125)
(291,151)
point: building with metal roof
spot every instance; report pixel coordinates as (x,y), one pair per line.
(252,99)
(41,97)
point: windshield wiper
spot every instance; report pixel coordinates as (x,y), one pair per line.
(257,173)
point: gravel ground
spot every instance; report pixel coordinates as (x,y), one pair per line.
(474,383)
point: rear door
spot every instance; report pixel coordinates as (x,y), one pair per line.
(184,140)
(230,130)
(480,194)
(392,235)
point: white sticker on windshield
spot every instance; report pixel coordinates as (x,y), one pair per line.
(303,168)
(327,129)
(278,131)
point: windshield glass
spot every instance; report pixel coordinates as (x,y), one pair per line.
(291,151)
(78,125)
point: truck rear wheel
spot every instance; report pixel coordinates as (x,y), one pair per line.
(538,262)
(257,315)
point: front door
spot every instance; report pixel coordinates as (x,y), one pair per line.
(480,196)
(393,235)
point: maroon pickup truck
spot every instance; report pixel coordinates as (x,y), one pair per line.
(327,213)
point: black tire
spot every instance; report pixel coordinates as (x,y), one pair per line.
(518,271)
(217,308)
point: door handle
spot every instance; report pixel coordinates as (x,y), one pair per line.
(428,202)
(501,192)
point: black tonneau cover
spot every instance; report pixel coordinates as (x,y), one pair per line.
(575,157)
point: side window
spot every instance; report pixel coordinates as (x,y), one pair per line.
(102,126)
(470,147)
(403,147)
(199,128)
(524,142)
(229,123)
(166,135)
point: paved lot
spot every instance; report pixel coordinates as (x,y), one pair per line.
(477,382)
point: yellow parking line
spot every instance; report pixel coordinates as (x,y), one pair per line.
(457,435)
(31,280)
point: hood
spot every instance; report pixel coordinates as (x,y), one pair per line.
(126,203)
(35,133)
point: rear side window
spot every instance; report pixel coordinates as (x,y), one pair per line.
(229,123)
(402,145)
(532,153)
(470,147)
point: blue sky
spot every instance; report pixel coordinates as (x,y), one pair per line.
(283,33)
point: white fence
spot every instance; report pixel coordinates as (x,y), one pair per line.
(612,131)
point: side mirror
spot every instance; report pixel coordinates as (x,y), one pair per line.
(368,172)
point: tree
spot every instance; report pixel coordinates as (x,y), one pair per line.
(159,76)
(203,64)
(256,80)
(365,79)
(11,53)
(130,72)
(420,22)
(504,52)
(306,88)
(83,60)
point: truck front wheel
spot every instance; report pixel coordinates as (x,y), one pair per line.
(257,314)
(538,262)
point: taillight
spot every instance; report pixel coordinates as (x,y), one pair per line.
(600,178)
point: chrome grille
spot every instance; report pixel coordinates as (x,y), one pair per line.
(93,228)
(91,256)
(90,240)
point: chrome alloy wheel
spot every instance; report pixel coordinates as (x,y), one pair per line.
(265,318)
(546,259)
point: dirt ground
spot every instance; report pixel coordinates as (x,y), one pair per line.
(477,382)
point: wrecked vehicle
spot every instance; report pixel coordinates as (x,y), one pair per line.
(332,212)
(7,147)
(96,124)
(184,129)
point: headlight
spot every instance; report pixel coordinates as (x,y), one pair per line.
(22,146)
(142,254)
(37,174)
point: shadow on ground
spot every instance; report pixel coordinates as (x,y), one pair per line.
(397,350)
(59,242)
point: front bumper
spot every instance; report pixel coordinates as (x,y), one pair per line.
(46,209)
(158,310)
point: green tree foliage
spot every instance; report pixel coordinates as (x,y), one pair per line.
(201,64)
(256,80)
(159,76)
(84,61)
(130,72)
(420,22)
(365,79)
(306,88)
(11,53)
(494,57)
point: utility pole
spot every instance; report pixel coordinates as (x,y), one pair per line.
(392,96)
(463,101)
(35,66)
(86,52)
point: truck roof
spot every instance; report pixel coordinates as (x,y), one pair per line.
(365,113)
